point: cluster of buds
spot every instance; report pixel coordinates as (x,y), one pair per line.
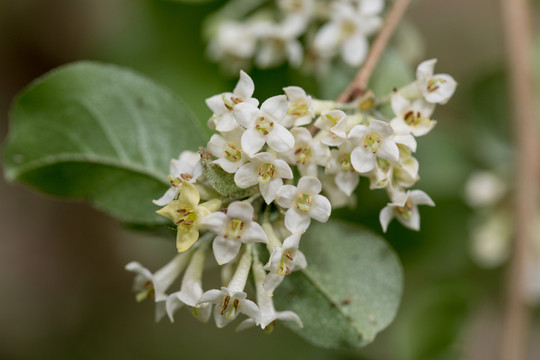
(241,192)
(329,29)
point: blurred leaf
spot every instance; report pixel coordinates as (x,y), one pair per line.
(351,289)
(101,133)
(432,320)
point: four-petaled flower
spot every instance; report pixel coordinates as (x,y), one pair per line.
(303,203)
(187,214)
(223,105)
(264,125)
(405,209)
(372,141)
(436,89)
(228,304)
(232,229)
(186,168)
(265,170)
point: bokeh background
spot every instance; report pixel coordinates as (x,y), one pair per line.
(63,291)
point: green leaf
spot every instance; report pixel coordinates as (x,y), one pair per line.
(222,181)
(350,290)
(102,133)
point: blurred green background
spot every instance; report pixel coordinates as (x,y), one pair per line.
(63,291)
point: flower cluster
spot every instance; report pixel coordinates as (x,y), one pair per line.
(240,193)
(270,37)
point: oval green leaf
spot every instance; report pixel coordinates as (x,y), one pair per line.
(101,133)
(349,292)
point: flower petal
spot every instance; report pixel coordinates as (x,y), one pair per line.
(285,196)
(254,233)
(246,176)
(241,210)
(245,114)
(225,249)
(320,208)
(275,108)
(297,221)
(385,216)
(309,185)
(355,49)
(167,197)
(280,139)
(363,160)
(270,189)
(214,222)
(388,150)
(245,86)
(184,240)
(252,141)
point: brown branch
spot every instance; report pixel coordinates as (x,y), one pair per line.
(518,33)
(360,82)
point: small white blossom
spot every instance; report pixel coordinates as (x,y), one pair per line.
(303,203)
(346,178)
(186,168)
(337,197)
(333,124)
(346,33)
(405,210)
(228,150)
(299,108)
(233,228)
(307,152)
(224,104)
(264,125)
(231,300)
(279,43)
(413,117)
(436,89)
(373,141)
(233,45)
(283,260)
(269,315)
(484,188)
(191,289)
(154,285)
(265,170)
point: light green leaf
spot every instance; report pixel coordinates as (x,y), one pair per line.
(350,290)
(102,133)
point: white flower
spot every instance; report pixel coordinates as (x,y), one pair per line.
(278,42)
(438,88)
(337,197)
(269,315)
(154,285)
(303,203)
(233,44)
(374,141)
(340,165)
(233,229)
(228,150)
(223,104)
(264,125)
(191,289)
(484,188)
(299,109)
(307,152)
(333,124)
(412,117)
(283,260)
(265,170)
(186,168)
(346,33)
(405,210)
(231,300)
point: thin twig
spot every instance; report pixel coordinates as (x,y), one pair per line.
(518,33)
(360,82)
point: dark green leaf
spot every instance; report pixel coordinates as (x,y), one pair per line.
(350,290)
(101,133)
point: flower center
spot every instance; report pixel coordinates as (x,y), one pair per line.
(345,162)
(412,118)
(187,218)
(232,153)
(230,102)
(146,292)
(303,155)
(234,229)
(372,141)
(405,211)
(298,109)
(347,29)
(303,202)
(433,84)
(266,173)
(233,308)
(263,125)
(286,258)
